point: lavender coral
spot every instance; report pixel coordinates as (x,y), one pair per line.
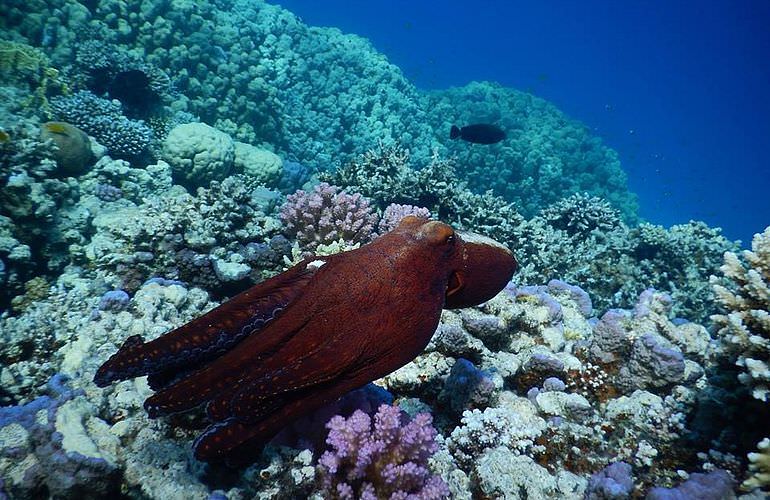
(387,458)
(326,215)
(394,212)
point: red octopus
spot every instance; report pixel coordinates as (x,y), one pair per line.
(307,336)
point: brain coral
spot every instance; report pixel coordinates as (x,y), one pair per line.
(260,164)
(198,154)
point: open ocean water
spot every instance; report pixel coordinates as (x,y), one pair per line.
(384,250)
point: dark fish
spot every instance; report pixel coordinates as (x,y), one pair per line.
(479,133)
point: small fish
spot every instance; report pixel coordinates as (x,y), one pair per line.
(479,133)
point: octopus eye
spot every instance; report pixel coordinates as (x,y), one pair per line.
(450,239)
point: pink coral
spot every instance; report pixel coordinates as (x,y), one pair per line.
(325,215)
(387,458)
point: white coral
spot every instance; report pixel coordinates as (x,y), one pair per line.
(515,428)
(745,329)
(759,467)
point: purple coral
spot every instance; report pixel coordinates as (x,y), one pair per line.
(325,215)
(394,212)
(580,296)
(114,300)
(467,387)
(47,469)
(614,482)
(387,458)
(713,485)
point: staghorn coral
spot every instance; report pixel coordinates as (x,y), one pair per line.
(325,215)
(745,329)
(580,214)
(387,457)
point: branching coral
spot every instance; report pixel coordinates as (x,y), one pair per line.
(760,467)
(105,121)
(745,331)
(387,458)
(581,214)
(394,212)
(326,215)
(746,327)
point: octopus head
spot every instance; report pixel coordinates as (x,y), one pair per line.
(478,267)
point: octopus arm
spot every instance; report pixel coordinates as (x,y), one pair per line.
(224,373)
(241,435)
(192,345)
(293,369)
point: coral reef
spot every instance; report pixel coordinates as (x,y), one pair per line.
(256,72)
(580,214)
(546,155)
(386,176)
(614,263)
(179,236)
(592,376)
(43,453)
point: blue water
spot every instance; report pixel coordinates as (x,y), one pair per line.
(680,89)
